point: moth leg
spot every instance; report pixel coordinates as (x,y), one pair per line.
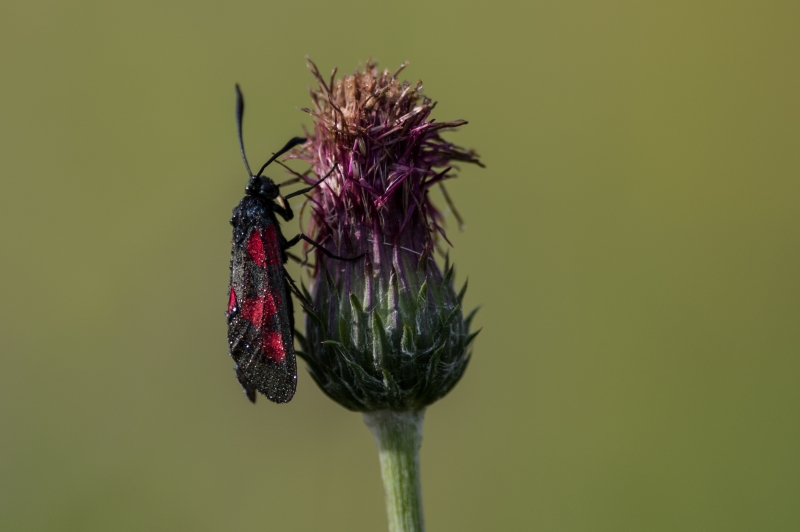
(295,290)
(301,236)
(312,187)
(282,207)
(297,259)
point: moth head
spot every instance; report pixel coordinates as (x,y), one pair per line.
(263,187)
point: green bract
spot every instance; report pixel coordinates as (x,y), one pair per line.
(382,346)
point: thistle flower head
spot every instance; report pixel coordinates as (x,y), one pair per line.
(386,331)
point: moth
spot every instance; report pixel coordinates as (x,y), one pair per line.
(260,311)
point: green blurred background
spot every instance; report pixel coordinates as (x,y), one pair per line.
(634,244)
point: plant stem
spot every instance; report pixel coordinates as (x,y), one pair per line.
(399,435)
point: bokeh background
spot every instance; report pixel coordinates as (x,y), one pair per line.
(634,243)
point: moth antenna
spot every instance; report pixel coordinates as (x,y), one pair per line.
(239,117)
(289,145)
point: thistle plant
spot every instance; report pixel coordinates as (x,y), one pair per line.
(386,335)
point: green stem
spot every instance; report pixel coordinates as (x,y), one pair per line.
(399,435)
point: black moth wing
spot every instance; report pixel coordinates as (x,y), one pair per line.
(260,311)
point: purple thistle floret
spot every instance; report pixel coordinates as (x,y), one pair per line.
(386,331)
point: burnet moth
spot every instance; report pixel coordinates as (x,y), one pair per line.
(260,311)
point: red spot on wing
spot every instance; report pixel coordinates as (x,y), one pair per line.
(273,251)
(255,249)
(270,307)
(263,248)
(273,346)
(253,311)
(232,302)
(261,310)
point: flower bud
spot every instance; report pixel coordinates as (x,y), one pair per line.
(386,331)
